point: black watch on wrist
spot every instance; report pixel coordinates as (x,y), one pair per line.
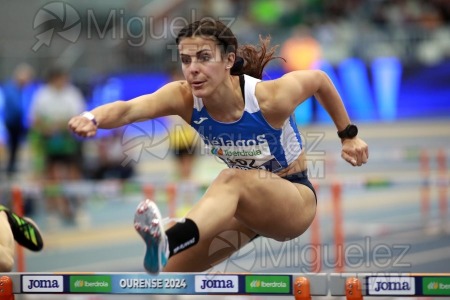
(349,132)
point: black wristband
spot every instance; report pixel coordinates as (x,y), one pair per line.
(349,132)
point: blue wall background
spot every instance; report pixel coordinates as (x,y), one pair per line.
(382,91)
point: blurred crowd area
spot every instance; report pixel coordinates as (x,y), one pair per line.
(59,58)
(98,38)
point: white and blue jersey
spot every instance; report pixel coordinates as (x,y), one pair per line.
(250,142)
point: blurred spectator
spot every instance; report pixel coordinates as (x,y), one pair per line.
(108,156)
(301,50)
(54,103)
(183,139)
(111,158)
(15,93)
(184,143)
(266,12)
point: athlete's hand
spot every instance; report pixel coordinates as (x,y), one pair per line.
(82,126)
(355,151)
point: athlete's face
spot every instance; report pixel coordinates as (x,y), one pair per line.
(203,64)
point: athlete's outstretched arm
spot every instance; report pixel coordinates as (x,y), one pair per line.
(295,87)
(168,100)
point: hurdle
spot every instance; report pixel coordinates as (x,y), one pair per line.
(352,286)
(299,286)
(356,286)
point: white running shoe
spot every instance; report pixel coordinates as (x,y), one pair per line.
(149,224)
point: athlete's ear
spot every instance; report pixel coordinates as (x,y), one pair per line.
(231,57)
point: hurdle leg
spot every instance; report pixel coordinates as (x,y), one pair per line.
(442,187)
(425,188)
(171,191)
(353,289)
(17,204)
(6,288)
(149,191)
(302,290)
(336,190)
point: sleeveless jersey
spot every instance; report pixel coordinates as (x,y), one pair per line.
(250,142)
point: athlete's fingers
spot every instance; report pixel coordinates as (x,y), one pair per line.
(356,156)
(364,153)
(87,132)
(359,156)
(91,133)
(355,151)
(364,156)
(74,124)
(71,125)
(82,127)
(349,158)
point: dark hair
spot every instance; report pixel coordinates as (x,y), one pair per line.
(54,72)
(250,59)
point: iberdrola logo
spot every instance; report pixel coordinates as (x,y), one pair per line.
(79,283)
(433,285)
(217,151)
(255,284)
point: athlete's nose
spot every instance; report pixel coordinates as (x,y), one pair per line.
(194,67)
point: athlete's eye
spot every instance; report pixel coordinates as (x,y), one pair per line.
(185,59)
(205,57)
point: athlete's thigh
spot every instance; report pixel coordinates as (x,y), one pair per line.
(208,253)
(274,207)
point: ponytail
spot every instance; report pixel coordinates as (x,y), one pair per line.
(252,60)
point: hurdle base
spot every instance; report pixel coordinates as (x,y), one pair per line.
(6,288)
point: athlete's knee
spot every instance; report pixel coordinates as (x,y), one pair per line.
(228,176)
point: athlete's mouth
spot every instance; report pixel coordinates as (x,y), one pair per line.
(197,84)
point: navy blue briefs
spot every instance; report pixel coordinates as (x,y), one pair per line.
(301,178)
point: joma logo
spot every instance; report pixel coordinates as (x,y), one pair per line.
(44,284)
(391,285)
(216,284)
